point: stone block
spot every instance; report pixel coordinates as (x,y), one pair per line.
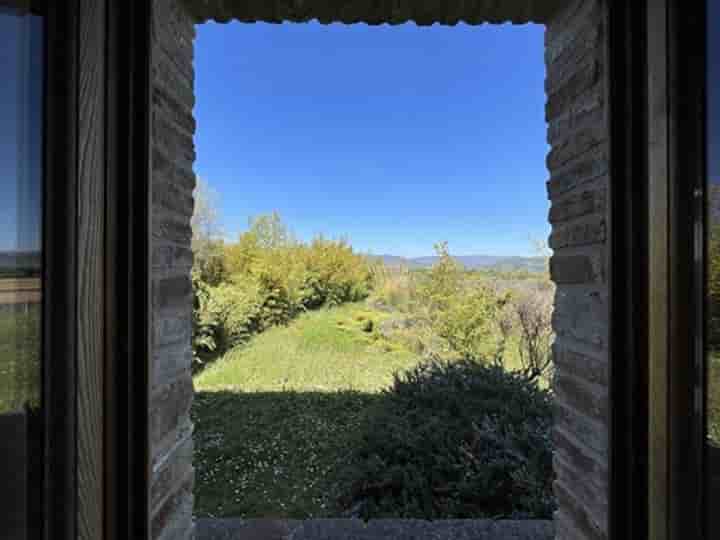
(573,147)
(171,196)
(175,475)
(170,362)
(572,269)
(169,405)
(578,515)
(167,227)
(576,455)
(581,81)
(586,111)
(169,256)
(576,205)
(562,62)
(180,114)
(583,366)
(593,498)
(591,433)
(173,293)
(172,329)
(174,518)
(581,313)
(582,233)
(590,399)
(167,75)
(173,141)
(593,166)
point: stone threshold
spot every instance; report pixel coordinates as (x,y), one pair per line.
(377,529)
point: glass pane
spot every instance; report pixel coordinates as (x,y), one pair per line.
(21,145)
(713,269)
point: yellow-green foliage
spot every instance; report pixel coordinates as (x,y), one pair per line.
(444,282)
(294,275)
(268,279)
(464,317)
(225,315)
(469,324)
(394,286)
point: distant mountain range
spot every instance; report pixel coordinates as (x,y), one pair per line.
(470,262)
(27,261)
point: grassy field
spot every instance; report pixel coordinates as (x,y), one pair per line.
(20,358)
(276,419)
(713,406)
(325,350)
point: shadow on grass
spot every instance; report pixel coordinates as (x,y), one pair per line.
(275,454)
(448,441)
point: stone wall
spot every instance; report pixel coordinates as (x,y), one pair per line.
(173,181)
(578,164)
(578,169)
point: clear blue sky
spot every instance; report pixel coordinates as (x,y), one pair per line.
(20,131)
(394,137)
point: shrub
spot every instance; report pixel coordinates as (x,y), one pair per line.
(224,316)
(334,274)
(464,315)
(534,311)
(393,287)
(469,323)
(456,441)
(296,276)
(444,282)
(266,279)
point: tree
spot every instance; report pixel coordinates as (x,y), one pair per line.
(207,242)
(270,231)
(444,280)
(534,315)
(464,316)
(266,233)
(540,247)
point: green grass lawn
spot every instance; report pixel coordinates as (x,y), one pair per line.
(276,419)
(713,405)
(321,351)
(20,358)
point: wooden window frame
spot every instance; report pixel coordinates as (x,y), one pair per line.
(97,258)
(676,52)
(628,224)
(651,332)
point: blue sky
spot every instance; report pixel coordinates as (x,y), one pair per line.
(20,132)
(395,137)
(713,92)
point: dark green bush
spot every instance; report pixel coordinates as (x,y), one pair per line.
(462,440)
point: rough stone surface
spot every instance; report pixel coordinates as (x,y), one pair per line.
(376,11)
(577,186)
(578,165)
(380,529)
(172,205)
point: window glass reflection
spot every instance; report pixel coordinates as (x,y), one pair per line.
(713,268)
(21,114)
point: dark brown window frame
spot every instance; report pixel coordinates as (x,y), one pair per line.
(676,51)
(97,55)
(125,45)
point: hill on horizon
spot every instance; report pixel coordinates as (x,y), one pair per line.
(469,262)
